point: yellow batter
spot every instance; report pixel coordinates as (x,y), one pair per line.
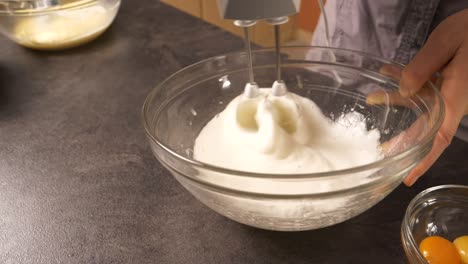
(63,29)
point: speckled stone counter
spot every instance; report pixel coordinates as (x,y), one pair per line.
(79,184)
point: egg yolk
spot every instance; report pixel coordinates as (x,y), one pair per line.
(438,250)
(461,244)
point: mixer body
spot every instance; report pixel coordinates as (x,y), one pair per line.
(257,9)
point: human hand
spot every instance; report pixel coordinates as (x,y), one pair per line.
(446,51)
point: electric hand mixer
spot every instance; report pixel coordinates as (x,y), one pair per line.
(246,13)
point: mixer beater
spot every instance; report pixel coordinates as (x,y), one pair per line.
(246,13)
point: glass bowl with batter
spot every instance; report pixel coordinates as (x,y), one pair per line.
(340,82)
(55,24)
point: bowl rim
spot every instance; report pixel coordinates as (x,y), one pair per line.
(406,234)
(23,9)
(335,173)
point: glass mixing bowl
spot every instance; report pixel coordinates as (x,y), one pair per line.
(437,211)
(339,82)
(55,24)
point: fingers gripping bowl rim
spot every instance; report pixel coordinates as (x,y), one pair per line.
(308,71)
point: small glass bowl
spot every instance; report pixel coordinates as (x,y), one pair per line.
(437,211)
(339,82)
(55,24)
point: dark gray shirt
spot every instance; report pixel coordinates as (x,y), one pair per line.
(392,29)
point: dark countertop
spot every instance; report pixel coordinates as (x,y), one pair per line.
(79,184)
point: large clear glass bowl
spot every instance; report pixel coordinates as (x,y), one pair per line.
(55,24)
(339,82)
(437,211)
